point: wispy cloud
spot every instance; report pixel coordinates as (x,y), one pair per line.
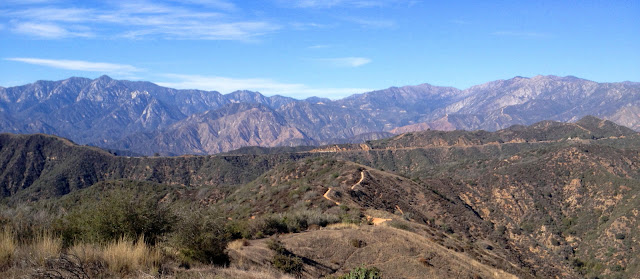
(372,23)
(521,34)
(52,14)
(263,85)
(140,19)
(350,62)
(27,2)
(47,30)
(240,31)
(336,3)
(309,25)
(79,65)
(319,46)
(218,4)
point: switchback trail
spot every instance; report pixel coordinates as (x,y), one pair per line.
(326,194)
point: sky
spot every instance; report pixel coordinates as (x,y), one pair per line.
(330,48)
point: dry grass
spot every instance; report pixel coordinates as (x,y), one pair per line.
(234,273)
(86,253)
(342,226)
(43,247)
(238,244)
(125,256)
(250,274)
(43,256)
(8,245)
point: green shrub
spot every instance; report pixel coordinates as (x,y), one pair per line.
(276,246)
(362,273)
(283,259)
(288,263)
(284,223)
(401,225)
(121,214)
(202,237)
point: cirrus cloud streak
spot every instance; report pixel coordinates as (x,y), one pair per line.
(349,62)
(78,65)
(139,19)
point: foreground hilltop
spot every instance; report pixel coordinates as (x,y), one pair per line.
(542,201)
(145,118)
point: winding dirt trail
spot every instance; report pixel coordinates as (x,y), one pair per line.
(326,194)
(375,221)
(359,181)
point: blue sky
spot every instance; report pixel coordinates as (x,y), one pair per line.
(330,48)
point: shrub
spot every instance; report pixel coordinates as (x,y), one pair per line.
(620,236)
(284,223)
(358,243)
(121,214)
(202,237)
(400,225)
(362,273)
(288,263)
(283,259)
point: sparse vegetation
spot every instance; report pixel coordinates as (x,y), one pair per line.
(357,243)
(283,259)
(510,206)
(362,273)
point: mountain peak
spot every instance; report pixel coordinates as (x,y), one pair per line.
(104,78)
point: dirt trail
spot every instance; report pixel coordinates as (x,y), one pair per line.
(326,194)
(359,181)
(431,147)
(377,221)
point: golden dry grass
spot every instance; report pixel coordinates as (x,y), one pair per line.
(8,245)
(43,247)
(124,256)
(238,244)
(341,226)
(86,253)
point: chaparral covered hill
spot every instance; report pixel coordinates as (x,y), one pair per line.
(549,200)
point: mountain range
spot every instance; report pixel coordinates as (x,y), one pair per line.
(144,118)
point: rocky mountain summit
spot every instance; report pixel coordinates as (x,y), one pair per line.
(146,118)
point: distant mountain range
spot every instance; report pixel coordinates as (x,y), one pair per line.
(145,118)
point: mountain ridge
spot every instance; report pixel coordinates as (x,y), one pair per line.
(109,113)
